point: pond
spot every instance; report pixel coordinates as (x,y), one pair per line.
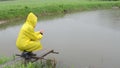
(89,39)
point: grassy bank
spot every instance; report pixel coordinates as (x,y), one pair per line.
(4,59)
(20,8)
(19,64)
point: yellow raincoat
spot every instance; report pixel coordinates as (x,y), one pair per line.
(28,39)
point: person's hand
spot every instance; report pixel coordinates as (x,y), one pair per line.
(41,31)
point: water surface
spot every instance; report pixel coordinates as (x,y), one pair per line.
(85,40)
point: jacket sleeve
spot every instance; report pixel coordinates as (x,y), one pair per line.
(32,35)
(37,32)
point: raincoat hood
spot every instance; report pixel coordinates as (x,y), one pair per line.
(31,19)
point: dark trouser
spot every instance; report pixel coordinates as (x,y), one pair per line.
(27,55)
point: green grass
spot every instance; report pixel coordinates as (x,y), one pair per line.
(30,65)
(4,59)
(20,8)
(19,64)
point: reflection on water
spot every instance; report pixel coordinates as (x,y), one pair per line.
(84,40)
(19,21)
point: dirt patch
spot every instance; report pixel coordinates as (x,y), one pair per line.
(1,22)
